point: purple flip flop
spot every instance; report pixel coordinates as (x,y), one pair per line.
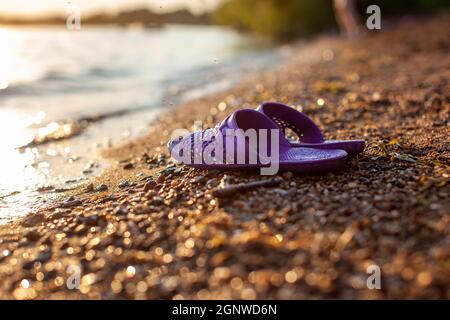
(248,139)
(308,132)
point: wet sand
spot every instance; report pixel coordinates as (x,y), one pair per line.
(148,229)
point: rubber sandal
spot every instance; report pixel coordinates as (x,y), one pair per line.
(308,132)
(265,149)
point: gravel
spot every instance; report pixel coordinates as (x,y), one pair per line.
(172,236)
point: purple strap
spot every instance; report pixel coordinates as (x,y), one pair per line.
(287,117)
(243,119)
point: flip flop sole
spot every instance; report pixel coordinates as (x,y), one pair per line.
(189,150)
(352,147)
(302,160)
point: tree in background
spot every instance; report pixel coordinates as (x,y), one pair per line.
(347,17)
(280,19)
(284,19)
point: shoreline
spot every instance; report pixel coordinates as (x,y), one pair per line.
(163,234)
(105,120)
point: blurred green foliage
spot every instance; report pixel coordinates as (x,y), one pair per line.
(277,18)
(398,7)
(284,19)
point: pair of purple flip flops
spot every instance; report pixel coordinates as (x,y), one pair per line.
(256,139)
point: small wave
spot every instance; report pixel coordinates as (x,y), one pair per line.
(53,75)
(81,81)
(101,72)
(66,129)
(56,131)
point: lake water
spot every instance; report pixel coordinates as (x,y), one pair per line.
(50,76)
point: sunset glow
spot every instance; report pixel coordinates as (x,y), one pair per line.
(45,7)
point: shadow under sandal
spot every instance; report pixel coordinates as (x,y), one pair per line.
(307,130)
(248,139)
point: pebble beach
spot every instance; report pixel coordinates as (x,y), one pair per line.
(150,229)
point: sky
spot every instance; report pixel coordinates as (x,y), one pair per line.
(44,7)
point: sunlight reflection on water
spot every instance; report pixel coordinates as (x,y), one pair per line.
(5,58)
(18,175)
(50,77)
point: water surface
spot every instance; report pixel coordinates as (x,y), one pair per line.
(50,76)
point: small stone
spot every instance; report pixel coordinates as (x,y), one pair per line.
(91,220)
(141,209)
(121,211)
(281,192)
(128,166)
(288,175)
(33,219)
(392,228)
(123,184)
(32,235)
(44,256)
(352,185)
(70,203)
(213,173)
(102,187)
(198,178)
(89,187)
(149,185)
(212,182)
(157,201)
(80,229)
(160,179)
